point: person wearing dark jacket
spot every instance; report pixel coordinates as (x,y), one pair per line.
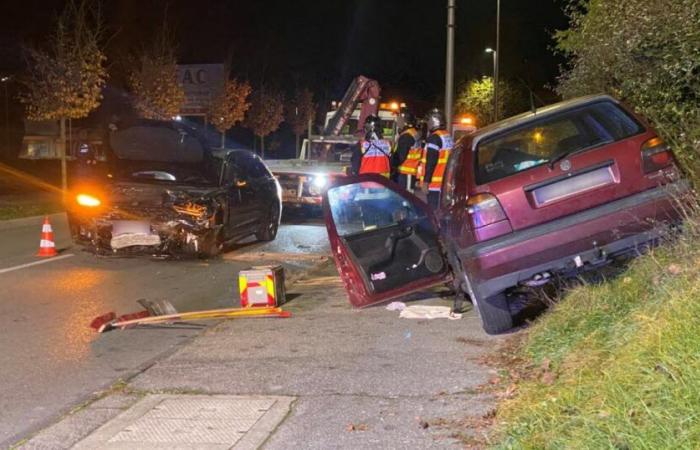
(408,151)
(373,154)
(437,151)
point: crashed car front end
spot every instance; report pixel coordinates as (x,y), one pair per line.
(132,221)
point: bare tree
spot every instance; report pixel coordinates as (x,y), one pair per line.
(299,112)
(265,115)
(64,80)
(230,106)
(153,80)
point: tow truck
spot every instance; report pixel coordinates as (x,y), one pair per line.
(326,156)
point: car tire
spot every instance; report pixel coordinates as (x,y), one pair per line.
(269,226)
(211,245)
(496,317)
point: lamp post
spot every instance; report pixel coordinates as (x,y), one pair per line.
(5,81)
(495,82)
(449,63)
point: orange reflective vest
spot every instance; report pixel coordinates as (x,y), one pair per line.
(445,149)
(376,156)
(420,170)
(412,161)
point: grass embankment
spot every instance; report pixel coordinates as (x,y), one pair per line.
(26,210)
(615,365)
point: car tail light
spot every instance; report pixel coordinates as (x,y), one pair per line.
(484,209)
(656,155)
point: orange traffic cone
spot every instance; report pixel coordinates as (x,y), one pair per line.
(47,247)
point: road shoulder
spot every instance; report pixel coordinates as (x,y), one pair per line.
(360,378)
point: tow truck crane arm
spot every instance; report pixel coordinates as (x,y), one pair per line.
(362,89)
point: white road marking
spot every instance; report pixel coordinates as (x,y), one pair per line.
(35,263)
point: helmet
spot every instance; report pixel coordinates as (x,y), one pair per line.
(406,119)
(435,119)
(373,127)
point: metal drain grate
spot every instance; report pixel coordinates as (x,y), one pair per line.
(174,421)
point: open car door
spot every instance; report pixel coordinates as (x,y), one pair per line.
(384,240)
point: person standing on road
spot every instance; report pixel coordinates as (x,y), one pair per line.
(373,154)
(408,151)
(437,150)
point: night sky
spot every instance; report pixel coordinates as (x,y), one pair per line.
(320,44)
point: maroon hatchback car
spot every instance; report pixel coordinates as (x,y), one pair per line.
(553,192)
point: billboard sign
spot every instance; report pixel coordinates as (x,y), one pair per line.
(201,83)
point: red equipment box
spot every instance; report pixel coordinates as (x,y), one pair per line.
(262,286)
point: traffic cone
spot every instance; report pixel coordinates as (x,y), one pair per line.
(47,247)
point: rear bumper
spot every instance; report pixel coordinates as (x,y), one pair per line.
(572,242)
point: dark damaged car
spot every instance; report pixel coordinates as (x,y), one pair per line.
(165,192)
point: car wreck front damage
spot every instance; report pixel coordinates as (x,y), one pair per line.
(159,194)
(136,218)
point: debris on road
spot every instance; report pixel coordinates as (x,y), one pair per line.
(110,321)
(396,306)
(429,312)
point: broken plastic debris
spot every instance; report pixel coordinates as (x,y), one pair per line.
(396,306)
(429,312)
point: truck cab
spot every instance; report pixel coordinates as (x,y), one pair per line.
(323,158)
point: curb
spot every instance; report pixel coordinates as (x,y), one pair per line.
(27,221)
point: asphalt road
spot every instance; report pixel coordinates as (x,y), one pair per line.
(51,361)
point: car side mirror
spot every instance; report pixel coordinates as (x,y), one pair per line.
(240,183)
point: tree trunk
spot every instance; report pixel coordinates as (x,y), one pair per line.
(64,166)
(262,147)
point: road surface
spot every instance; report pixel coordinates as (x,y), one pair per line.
(51,361)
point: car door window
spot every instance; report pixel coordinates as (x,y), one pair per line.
(448,196)
(390,239)
(361,207)
(250,165)
(234,172)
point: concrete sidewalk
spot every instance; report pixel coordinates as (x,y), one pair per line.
(344,379)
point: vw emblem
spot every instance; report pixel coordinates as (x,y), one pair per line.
(565,165)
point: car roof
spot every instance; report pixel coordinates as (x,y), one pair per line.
(529,116)
(223,153)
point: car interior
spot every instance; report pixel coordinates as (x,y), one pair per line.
(390,240)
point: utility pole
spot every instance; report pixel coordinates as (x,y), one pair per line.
(449,63)
(496,55)
(5,80)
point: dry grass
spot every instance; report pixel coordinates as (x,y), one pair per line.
(614,365)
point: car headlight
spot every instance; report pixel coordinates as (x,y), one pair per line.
(319,181)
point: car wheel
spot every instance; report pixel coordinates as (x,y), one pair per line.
(269,225)
(495,314)
(211,245)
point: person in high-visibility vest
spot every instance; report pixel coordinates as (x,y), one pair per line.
(437,150)
(408,151)
(373,154)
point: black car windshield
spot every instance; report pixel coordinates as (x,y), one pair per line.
(551,138)
(161,153)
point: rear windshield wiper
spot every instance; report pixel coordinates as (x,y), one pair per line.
(561,156)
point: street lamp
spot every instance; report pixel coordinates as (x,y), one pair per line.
(5,81)
(495,82)
(449,63)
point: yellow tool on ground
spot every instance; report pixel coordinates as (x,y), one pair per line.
(110,322)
